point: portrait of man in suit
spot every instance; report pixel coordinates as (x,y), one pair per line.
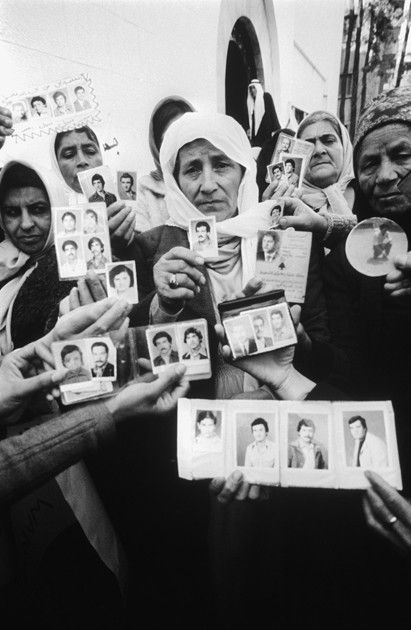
(102,367)
(260,326)
(241,337)
(270,244)
(163,343)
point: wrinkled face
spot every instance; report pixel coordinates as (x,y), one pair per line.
(384,158)
(95,248)
(258,327)
(326,161)
(277,321)
(100,356)
(27,218)
(60,100)
(73,360)
(268,244)
(193,341)
(259,432)
(121,282)
(209,179)
(77,153)
(202,233)
(71,253)
(357,430)
(98,185)
(240,334)
(163,346)
(125,184)
(306,434)
(206,427)
(69,223)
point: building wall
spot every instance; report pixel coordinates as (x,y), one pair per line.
(137,52)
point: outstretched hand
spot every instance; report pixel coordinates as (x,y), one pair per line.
(299,216)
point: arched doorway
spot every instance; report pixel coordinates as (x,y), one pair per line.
(244,63)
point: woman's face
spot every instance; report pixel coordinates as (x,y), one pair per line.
(209,179)
(26,218)
(327,159)
(121,282)
(77,153)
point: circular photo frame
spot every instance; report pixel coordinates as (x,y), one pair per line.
(373,244)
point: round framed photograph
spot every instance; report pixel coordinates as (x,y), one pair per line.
(373,244)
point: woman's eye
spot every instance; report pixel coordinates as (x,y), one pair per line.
(68,154)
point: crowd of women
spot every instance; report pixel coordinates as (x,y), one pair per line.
(145,544)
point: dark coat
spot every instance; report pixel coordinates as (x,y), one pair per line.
(269,122)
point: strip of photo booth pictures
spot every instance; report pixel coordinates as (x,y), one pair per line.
(61,102)
(207,439)
(96,236)
(39,107)
(71,257)
(73,356)
(202,236)
(162,346)
(121,281)
(98,185)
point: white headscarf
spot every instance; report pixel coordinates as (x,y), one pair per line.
(331,199)
(226,134)
(257,105)
(14,265)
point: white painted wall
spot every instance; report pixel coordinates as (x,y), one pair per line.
(138,51)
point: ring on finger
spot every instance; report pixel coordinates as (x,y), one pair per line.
(390,522)
(172,281)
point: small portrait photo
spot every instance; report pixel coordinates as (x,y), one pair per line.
(97,252)
(262,329)
(95,218)
(19,112)
(61,102)
(365,439)
(282,327)
(97,185)
(80,97)
(126,185)
(67,221)
(294,169)
(308,439)
(240,335)
(102,358)
(275,172)
(203,237)
(162,346)
(255,445)
(38,106)
(208,429)
(193,342)
(269,248)
(70,256)
(285,144)
(122,281)
(373,244)
(73,356)
(276,213)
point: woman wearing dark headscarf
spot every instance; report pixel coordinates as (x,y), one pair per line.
(151,204)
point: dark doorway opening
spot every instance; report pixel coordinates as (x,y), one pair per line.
(243,64)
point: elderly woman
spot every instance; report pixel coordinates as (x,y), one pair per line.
(328,191)
(30,289)
(209,171)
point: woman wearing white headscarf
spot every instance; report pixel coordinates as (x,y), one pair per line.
(30,289)
(208,171)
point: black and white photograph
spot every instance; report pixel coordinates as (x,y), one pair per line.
(67,221)
(240,335)
(98,252)
(94,218)
(70,256)
(73,356)
(269,247)
(373,244)
(39,107)
(121,280)
(80,97)
(262,329)
(294,166)
(98,185)
(20,112)
(126,185)
(365,440)
(285,145)
(102,357)
(281,325)
(202,236)
(162,346)
(276,213)
(193,342)
(308,441)
(256,445)
(61,103)
(208,426)
(275,172)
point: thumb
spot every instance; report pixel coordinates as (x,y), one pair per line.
(296,314)
(166,380)
(44,381)
(292,222)
(403,261)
